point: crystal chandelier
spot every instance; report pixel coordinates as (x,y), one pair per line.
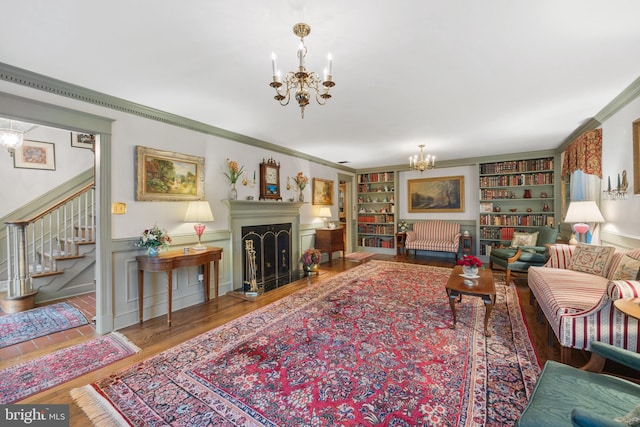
(11,138)
(301,81)
(420,163)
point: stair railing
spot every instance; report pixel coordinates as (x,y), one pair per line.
(35,244)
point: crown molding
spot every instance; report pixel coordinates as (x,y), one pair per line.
(37,81)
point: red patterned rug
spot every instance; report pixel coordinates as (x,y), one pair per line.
(38,322)
(370,346)
(24,379)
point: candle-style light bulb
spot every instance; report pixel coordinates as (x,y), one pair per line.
(273,63)
(330,64)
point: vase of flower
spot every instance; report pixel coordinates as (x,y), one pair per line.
(152,251)
(470,265)
(233,193)
(154,239)
(301,197)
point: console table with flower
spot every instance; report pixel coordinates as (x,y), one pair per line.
(169,261)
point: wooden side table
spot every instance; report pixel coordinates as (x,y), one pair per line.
(171,260)
(466,245)
(401,239)
(330,240)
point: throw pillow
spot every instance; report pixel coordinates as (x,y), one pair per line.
(592,259)
(524,239)
(628,269)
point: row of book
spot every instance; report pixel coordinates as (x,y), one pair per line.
(541,178)
(378,219)
(375,229)
(505,233)
(531,165)
(517,220)
(377,242)
(375,177)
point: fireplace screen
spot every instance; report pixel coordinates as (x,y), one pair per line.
(271,248)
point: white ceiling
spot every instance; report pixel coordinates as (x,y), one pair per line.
(466,78)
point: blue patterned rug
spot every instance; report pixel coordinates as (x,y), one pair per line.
(38,322)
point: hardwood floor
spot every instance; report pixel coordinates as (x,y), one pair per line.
(154,336)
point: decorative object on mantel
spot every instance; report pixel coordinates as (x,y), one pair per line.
(154,239)
(620,192)
(270,180)
(233,174)
(310,259)
(246,181)
(301,182)
(420,163)
(302,81)
(199,212)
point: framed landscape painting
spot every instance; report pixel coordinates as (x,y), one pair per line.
(444,194)
(168,176)
(35,155)
(322,192)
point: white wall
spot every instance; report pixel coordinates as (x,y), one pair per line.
(23,185)
(622,216)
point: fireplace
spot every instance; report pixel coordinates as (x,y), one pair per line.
(274,228)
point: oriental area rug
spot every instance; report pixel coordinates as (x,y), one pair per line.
(24,379)
(38,322)
(370,346)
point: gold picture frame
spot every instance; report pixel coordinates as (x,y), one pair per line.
(168,176)
(636,157)
(322,192)
(35,155)
(444,194)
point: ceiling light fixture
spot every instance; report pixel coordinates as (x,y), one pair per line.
(302,81)
(11,138)
(420,163)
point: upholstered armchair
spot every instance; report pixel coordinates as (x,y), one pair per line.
(568,396)
(526,250)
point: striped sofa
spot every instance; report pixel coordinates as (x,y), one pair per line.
(578,306)
(433,235)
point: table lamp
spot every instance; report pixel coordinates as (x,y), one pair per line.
(199,211)
(581,214)
(325,213)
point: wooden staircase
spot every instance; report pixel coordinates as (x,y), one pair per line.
(59,241)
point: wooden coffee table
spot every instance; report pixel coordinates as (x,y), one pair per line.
(482,287)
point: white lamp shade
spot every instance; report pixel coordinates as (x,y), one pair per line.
(325,212)
(583,212)
(198,211)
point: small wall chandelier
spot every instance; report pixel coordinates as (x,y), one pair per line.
(420,163)
(11,138)
(301,81)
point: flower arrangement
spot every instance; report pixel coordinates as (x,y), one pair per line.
(301,180)
(311,256)
(234,171)
(470,261)
(154,237)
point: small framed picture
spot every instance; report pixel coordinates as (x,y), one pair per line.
(35,155)
(486,207)
(83,140)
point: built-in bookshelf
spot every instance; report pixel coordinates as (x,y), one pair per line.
(515,195)
(376,211)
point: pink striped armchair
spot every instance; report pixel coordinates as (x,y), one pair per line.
(434,235)
(579,306)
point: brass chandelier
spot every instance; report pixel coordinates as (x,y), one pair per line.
(302,82)
(420,163)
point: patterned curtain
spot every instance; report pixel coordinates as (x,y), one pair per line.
(585,154)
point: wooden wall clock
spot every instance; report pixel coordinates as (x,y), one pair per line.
(270,180)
